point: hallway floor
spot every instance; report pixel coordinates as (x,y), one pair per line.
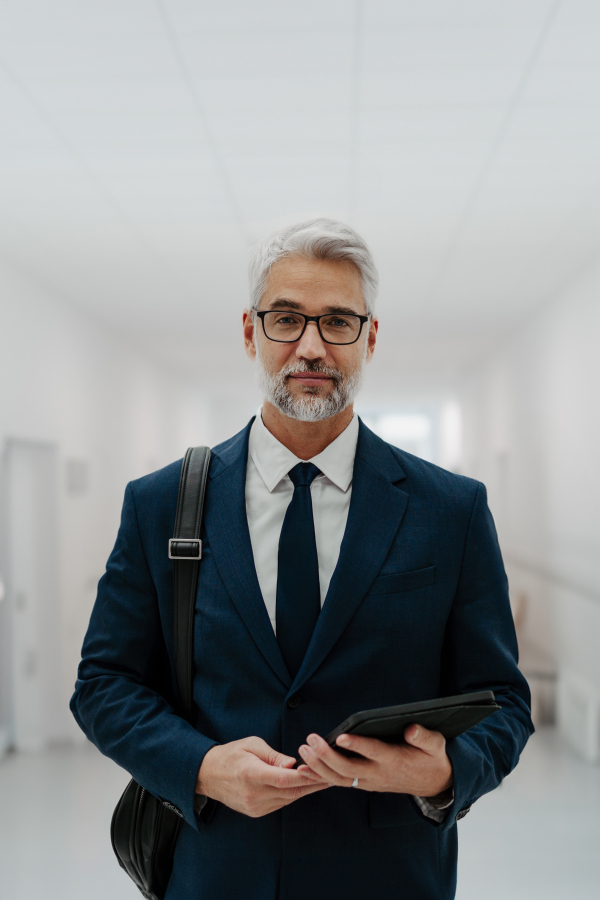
(536,838)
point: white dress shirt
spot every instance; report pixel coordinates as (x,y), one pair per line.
(269,491)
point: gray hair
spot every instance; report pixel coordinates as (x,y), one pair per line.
(314,239)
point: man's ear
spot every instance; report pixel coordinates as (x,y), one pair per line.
(249,329)
(372,338)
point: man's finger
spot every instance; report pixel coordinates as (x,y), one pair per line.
(370,748)
(282,778)
(272,757)
(280,759)
(296,793)
(349,768)
(326,774)
(332,766)
(432,742)
(260,748)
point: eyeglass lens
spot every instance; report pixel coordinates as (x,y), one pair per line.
(287,326)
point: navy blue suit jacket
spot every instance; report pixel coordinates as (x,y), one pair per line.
(417,608)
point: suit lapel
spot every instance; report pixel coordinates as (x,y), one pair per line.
(376,510)
(226,525)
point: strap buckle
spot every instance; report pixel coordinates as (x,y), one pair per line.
(185,548)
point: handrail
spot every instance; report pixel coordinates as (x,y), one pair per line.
(552,577)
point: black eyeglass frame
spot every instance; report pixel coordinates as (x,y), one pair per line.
(317,319)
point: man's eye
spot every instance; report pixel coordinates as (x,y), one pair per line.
(339,323)
(286,320)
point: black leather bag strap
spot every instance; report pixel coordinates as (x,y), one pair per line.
(185,549)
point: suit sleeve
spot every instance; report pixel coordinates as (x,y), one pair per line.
(480,653)
(115,700)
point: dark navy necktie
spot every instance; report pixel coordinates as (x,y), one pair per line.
(298,593)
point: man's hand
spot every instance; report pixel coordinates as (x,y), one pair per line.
(421,768)
(252,778)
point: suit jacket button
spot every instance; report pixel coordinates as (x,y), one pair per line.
(294,701)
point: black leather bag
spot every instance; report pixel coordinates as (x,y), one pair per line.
(144,828)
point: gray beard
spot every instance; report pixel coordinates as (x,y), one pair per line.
(310,407)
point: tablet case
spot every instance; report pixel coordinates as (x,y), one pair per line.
(449,715)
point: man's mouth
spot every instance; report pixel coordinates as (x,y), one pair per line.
(310,379)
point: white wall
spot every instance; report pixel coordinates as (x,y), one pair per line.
(68,380)
(532,434)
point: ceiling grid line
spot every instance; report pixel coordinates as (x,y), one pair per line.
(215,150)
(494,149)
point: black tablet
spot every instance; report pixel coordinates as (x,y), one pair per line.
(449,715)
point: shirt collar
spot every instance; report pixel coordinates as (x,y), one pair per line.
(273,461)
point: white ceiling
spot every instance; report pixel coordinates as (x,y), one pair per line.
(146,143)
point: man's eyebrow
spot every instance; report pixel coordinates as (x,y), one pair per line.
(283,303)
(342,310)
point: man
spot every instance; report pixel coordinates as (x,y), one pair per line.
(338,574)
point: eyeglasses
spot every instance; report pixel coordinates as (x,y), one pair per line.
(285,326)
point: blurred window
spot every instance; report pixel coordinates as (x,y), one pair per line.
(411,431)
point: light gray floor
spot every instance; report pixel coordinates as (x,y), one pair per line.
(536,838)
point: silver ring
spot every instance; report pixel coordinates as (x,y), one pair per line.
(355,783)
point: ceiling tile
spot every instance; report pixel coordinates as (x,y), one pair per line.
(394,49)
(419,123)
(278,54)
(74,19)
(59,200)
(190,16)
(288,131)
(456,13)
(130,134)
(566,83)
(12,102)
(274,186)
(568,121)
(264,93)
(430,152)
(575,35)
(556,159)
(118,55)
(114,95)
(438,87)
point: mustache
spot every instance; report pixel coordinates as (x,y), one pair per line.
(306,365)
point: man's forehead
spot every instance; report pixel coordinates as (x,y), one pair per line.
(297,282)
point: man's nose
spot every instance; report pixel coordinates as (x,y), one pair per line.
(311,345)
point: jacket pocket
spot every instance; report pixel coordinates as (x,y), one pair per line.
(403,581)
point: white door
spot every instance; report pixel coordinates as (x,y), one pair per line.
(31,615)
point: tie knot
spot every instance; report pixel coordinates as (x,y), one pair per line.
(303,474)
